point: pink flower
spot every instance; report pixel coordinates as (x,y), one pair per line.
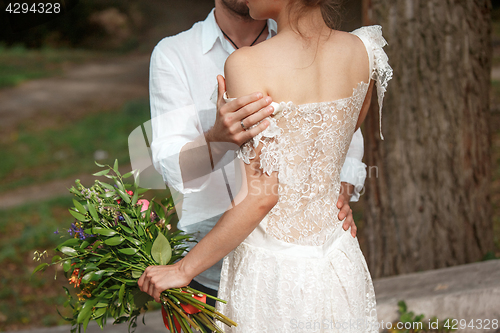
(130,193)
(144,203)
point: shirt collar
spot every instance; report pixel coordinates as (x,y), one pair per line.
(211,32)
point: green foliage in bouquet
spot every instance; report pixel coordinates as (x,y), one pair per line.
(115,236)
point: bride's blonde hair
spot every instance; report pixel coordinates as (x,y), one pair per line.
(330,11)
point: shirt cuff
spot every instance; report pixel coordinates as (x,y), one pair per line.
(354,172)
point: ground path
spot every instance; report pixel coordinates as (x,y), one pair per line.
(102,85)
(106,84)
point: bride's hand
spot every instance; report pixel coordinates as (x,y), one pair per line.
(157,279)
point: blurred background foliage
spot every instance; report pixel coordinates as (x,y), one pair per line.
(109,25)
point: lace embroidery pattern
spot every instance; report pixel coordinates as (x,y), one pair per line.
(336,288)
(307,144)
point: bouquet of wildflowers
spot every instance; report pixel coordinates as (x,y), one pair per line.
(115,236)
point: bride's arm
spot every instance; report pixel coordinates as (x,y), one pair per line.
(257,197)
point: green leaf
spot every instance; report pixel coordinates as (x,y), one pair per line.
(106,185)
(87,278)
(115,166)
(68,251)
(121,293)
(77,215)
(135,197)
(128,220)
(97,275)
(124,196)
(99,165)
(108,194)
(69,242)
(161,250)
(67,265)
(41,267)
(402,306)
(108,255)
(126,229)
(134,241)
(128,251)
(101,173)
(96,244)
(136,181)
(99,322)
(128,174)
(99,312)
(86,310)
(79,207)
(141,298)
(56,259)
(92,211)
(136,274)
(84,244)
(114,241)
(101,231)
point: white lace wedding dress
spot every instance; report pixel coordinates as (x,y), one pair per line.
(299,271)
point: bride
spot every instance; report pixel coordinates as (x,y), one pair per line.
(288,262)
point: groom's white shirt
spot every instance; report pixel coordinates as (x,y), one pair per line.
(183,73)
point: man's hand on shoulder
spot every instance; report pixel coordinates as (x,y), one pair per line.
(247,110)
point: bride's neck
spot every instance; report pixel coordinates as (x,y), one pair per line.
(309,22)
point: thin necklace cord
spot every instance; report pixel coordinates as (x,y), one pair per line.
(235,46)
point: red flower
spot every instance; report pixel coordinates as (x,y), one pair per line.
(74,278)
(188,308)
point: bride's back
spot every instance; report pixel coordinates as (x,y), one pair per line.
(322,85)
(291,67)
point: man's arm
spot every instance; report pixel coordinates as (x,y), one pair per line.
(175,123)
(182,152)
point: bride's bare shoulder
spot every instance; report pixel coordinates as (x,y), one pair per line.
(244,70)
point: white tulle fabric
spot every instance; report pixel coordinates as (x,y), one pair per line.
(299,270)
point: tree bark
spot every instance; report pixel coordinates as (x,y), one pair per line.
(427,191)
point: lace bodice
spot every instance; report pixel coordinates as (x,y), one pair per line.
(307,145)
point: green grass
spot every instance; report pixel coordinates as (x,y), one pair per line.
(23,229)
(35,156)
(18,64)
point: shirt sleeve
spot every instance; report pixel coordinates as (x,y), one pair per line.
(175,122)
(354,170)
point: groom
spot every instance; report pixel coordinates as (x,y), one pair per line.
(194,137)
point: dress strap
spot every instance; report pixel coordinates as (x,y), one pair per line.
(380,70)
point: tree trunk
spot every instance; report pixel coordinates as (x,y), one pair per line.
(427,191)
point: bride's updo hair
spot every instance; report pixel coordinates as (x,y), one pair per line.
(330,11)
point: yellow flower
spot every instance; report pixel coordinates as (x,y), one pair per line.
(83,293)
